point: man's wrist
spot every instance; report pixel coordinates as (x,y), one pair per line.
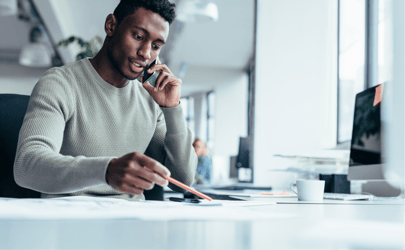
(106,172)
(170,106)
(175,122)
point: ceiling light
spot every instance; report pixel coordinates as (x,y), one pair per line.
(36,53)
(197,11)
(8,7)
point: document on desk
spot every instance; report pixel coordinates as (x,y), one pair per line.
(228,203)
(261,195)
(108,208)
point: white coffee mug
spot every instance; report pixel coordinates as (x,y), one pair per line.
(309,190)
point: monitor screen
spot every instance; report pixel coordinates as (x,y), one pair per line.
(366,136)
(242,160)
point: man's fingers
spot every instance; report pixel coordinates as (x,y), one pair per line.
(144,177)
(138,182)
(154,177)
(148,87)
(159,67)
(172,81)
(153,165)
(140,171)
(160,79)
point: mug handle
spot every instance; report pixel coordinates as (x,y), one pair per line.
(293,187)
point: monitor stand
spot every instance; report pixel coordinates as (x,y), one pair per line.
(380,188)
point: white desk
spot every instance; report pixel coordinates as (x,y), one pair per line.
(309,226)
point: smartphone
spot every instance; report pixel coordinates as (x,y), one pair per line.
(184,200)
(151,78)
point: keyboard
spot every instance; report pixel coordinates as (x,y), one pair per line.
(347,197)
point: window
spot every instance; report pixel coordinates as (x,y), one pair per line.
(187,103)
(351,61)
(361,56)
(383,22)
(210,119)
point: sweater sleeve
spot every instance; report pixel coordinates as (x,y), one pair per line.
(38,163)
(171,145)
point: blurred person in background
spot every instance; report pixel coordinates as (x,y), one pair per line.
(204,166)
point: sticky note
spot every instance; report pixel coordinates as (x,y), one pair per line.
(378,94)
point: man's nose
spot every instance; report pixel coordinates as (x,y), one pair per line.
(144,51)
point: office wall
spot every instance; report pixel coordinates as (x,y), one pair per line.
(231,92)
(17,79)
(296,85)
(200,116)
(395,107)
(230,122)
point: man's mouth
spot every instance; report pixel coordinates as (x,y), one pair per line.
(136,67)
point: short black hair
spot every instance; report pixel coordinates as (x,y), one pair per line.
(162,7)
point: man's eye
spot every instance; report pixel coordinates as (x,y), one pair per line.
(156,47)
(138,37)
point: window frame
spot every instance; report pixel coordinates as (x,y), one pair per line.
(188,116)
(209,116)
(370,53)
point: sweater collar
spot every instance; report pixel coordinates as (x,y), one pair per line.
(100,81)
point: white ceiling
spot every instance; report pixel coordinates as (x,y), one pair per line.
(226,45)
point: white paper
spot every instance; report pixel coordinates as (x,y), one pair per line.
(81,207)
(231,203)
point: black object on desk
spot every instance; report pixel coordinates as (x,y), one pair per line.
(242,187)
(176,199)
(190,195)
(336,183)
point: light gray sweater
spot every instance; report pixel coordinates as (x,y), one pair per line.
(76,123)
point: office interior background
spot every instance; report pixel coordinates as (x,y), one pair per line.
(284,72)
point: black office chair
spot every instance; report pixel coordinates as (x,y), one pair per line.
(12,112)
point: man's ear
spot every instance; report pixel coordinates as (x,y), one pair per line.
(110,25)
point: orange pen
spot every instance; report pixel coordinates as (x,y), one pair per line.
(178,183)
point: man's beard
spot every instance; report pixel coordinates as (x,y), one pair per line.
(116,64)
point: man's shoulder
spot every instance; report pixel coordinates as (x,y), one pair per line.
(59,79)
(65,70)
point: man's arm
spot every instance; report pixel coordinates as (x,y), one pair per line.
(172,141)
(38,164)
(171,145)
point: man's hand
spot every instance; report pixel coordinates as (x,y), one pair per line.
(167,89)
(136,172)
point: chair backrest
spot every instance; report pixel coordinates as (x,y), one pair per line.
(12,112)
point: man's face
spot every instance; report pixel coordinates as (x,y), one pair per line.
(199,148)
(137,41)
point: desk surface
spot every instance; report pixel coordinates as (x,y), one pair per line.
(310,226)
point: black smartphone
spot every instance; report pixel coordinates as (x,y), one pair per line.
(151,78)
(184,200)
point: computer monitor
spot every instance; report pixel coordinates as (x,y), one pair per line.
(368,149)
(242,160)
(366,159)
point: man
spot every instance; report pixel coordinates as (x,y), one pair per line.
(203,172)
(92,129)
